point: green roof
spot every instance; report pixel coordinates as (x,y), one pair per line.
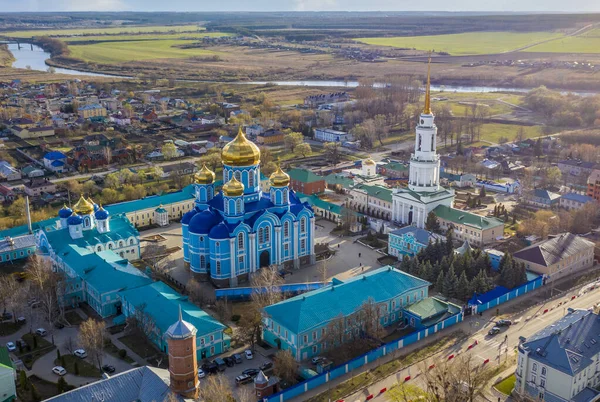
(152,202)
(397,166)
(317,308)
(428,307)
(162,303)
(337,179)
(379,192)
(5,358)
(304,176)
(23,229)
(466,218)
(314,200)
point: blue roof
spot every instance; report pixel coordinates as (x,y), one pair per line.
(545,194)
(577,198)
(316,308)
(55,155)
(75,220)
(162,303)
(203,222)
(152,202)
(187,217)
(57,163)
(569,344)
(101,214)
(65,212)
(586,395)
(221,231)
(421,235)
(90,107)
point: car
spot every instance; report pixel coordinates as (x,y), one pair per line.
(21,320)
(248,354)
(59,325)
(316,360)
(229,361)
(59,370)
(41,332)
(7,316)
(21,343)
(237,358)
(201,373)
(107,368)
(210,368)
(81,353)
(11,346)
(503,323)
(266,366)
(220,364)
(251,372)
(243,379)
(493,331)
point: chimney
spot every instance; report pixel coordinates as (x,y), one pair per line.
(28,215)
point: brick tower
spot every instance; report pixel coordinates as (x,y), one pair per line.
(183,364)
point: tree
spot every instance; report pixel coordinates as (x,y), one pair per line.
(292,140)
(482,192)
(462,287)
(109,196)
(285,366)
(432,223)
(216,388)
(553,176)
(61,385)
(450,283)
(169,151)
(16,210)
(304,149)
(142,323)
(91,338)
(439,283)
(332,151)
(47,287)
(213,160)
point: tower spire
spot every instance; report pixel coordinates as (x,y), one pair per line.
(427,108)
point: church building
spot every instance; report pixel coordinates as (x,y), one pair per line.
(411,205)
(235,232)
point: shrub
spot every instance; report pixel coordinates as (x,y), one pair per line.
(122,353)
(235,317)
(62,361)
(58,354)
(76,368)
(35,345)
(23,380)
(35,396)
(61,385)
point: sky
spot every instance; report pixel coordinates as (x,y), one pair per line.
(573,6)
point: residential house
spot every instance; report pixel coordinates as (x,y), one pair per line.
(394,170)
(429,311)
(17,247)
(561,362)
(8,172)
(541,198)
(32,171)
(8,377)
(228,108)
(91,110)
(149,115)
(161,303)
(507,187)
(36,187)
(270,137)
(560,255)
(476,229)
(409,240)
(306,182)
(576,167)
(120,119)
(330,135)
(210,119)
(372,200)
(55,162)
(254,130)
(33,132)
(459,180)
(6,194)
(178,169)
(574,201)
(299,324)
(593,185)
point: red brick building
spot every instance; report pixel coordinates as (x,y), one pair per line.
(306,182)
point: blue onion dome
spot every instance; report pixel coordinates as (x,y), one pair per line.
(203,222)
(75,219)
(187,217)
(101,213)
(65,212)
(219,232)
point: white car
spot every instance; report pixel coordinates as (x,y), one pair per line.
(81,353)
(11,346)
(59,370)
(201,373)
(41,332)
(248,354)
(316,359)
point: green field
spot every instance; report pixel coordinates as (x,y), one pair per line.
(101,31)
(589,42)
(120,52)
(72,40)
(465,43)
(492,132)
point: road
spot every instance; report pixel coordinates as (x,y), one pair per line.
(489,347)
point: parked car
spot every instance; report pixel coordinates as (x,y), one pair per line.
(316,360)
(107,368)
(243,379)
(503,323)
(229,361)
(59,325)
(252,372)
(81,353)
(11,346)
(21,320)
(266,366)
(59,370)
(221,366)
(237,358)
(248,354)
(41,332)
(210,368)
(493,331)
(201,373)
(21,343)
(7,316)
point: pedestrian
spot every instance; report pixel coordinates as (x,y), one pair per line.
(359,254)
(338,245)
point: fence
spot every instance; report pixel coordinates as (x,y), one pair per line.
(360,361)
(239,294)
(499,295)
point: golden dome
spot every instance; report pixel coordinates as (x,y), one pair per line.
(279,178)
(204,175)
(83,206)
(233,188)
(369,161)
(240,152)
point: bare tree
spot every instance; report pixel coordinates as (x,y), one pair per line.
(48,287)
(285,366)
(141,322)
(216,388)
(70,345)
(335,334)
(91,337)
(368,319)
(322,270)
(246,394)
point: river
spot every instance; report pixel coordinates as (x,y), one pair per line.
(35,57)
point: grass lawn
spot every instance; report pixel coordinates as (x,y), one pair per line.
(73,40)
(105,31)
(29,357)
(120,52)
(46,389)
(589,42)
(139,345)
(465,43)
(506,386)
(85,369)
(9,328)
(112,350)
(492,132)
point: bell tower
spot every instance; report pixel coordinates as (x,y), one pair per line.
(183,362)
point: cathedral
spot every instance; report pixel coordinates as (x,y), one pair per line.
(233,233)
(411,205)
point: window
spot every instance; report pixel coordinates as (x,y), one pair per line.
(202,261)
(303,244)
(314,349)
(285,196)
(314,335)
(131,242)
(322,332)
(241,261)
(241,241)
(286,248)
(267,234)
(303,225)
(237,175)
(261,235)
(305,339)
(218,268)
(110,246)
(533,378)
(286,229)
(238,206)
(251,178)
(543,371)
(534,368)
(542,383)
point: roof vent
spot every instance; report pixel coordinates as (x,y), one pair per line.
(364,277)
(332,288)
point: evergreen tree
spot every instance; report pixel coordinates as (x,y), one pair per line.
(61,385)
(439,283)
(482,192)
(521,274)
(450,283)
(462,287)
(537,148)
(505,215)
(424,270)
(449,241)
(405,264)
(432,224)
(468,202)
(23,380)
(479,201)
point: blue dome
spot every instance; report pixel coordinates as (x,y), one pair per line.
(65,212)
(75,220)
(202,223)
(101,214)
(219,232)
(187,217)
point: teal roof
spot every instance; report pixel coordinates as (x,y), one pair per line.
(337,179)
(151,202)
(105,271)
(304,176)
(21,230)
(162,303)
(317,308)
(315,201)
(160,210)
(466,218)
(396,166)
(428,307)
(379,192)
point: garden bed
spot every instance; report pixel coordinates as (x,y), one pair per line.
(83,369)
(506,386)
(10,327)
(73,318)
(112,350)
(139,345)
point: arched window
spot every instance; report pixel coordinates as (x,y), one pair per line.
(110,246)
(534,368)
(218,268)
(543,370)
(251,178)
(99,248)
(238,175)
(303,225)
(261,235)
(238,206)
(131,242)
(267,233)
(241,241)
(286,229)
(121,244)
(285,196)
(225,175)
(202,261)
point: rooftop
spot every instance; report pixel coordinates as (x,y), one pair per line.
(379,192)
(304,176)
(554,250)
(421,235)
(577,198)
(187,193)
(467,218)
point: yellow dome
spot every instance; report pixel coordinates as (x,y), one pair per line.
(204,175)
(240,152)
(369,161)
(83,206)
(279,178)
(233,188)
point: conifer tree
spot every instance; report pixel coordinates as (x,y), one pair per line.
(439,283)
(462,287)
(432,224)
(449,284)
